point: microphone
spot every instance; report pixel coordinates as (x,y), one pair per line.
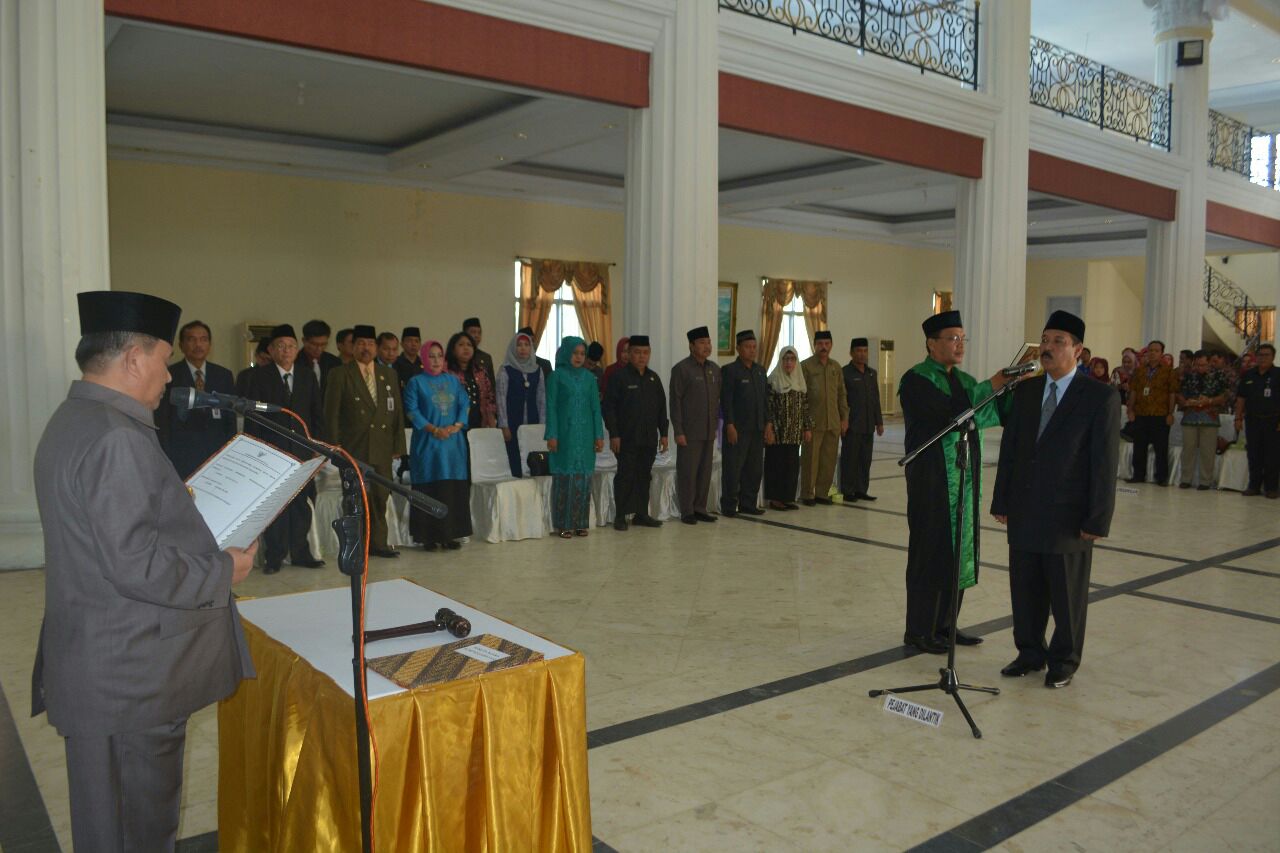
(190,398)
(1019,369)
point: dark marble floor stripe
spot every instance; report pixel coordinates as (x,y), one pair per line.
(1024,811)
(24,820)
(1248,571)
(1212,608)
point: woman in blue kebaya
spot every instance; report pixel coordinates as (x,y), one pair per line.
(437,405)
(575,434)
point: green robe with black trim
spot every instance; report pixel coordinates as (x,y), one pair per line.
(930,400)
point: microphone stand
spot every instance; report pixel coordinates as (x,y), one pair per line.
(963,425)
(350,527)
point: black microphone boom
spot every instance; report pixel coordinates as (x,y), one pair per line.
(190,398)
(1020,369)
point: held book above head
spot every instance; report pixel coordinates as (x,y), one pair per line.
(243,487)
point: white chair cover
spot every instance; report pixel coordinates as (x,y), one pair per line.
(328,505)
(502,508)
(1233,470)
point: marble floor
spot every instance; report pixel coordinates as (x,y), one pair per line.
(728,667)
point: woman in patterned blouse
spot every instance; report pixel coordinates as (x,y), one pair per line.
(789,408)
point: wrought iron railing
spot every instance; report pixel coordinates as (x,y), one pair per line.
(1225,296)
(1232,147)
(1072,84)
(933,35)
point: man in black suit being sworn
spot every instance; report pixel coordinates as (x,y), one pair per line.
(190,436)
(1056,491)
(286,383)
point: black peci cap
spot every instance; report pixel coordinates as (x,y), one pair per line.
(638,341)
(284,330)
(359,332)
(122,311)
(946,320)
(1064,321)
(745,335)
(858,342)
(698,333)
(411,332)
(824,335)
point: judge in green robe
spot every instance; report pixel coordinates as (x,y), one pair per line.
(934,392)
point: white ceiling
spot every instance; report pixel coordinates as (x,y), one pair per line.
(188,97)
(1244,55)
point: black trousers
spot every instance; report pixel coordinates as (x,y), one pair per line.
(855,462)
(1262,444)
(126,789)
(287,535)
(693,474)
(741,467)
(781,472)
(631,482)
(929,611)
(1040,584)
(1150,430)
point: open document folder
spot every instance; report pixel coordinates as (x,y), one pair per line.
(242,488)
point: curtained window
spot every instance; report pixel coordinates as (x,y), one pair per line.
(560,298)
(792,333)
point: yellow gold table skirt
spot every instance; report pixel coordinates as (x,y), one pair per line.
(492,763)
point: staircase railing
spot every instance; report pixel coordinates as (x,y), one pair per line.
(1226,298)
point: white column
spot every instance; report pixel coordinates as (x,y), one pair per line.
(991,212)
(53,230)
(672,187)
(1173,300)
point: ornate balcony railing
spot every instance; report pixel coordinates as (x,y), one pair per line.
(1074,85)
(1225,296)
(1234,146)
(933,35)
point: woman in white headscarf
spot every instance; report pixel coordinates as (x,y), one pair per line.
(792,425)
(522,395)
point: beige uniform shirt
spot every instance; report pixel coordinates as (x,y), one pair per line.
(828,403)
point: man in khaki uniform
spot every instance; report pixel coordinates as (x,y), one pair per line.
(363,413)
(829,408)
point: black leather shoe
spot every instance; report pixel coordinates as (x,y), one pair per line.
(1134,480)
(963,639)
(620,523)
(866,497)
(1019,668)
(1273,494)
(824,501)
(647,521)
(704,516)
(270,568)
(1251,492)
(808,501)
(1202,488)
(1184,485)
(1056,678)
(385,553)
(453,545)
(792,506)
(689,519)
(750,510)
(928,646)
(308,563)
(727,513)
(849,499)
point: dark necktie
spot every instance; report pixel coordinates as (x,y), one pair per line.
(288,385)
(1046,411)
(199,379)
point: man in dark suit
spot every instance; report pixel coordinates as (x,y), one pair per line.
(315,355)
(363,413)
(191,436)
(482,359)
(286,383)
(1056,491)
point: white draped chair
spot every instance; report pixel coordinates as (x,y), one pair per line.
(328,506)
(531,438)
(603,506)
(503,508)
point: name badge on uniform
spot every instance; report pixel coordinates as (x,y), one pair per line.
(1146,392)
(216,413)
(1266,392)
(391,401)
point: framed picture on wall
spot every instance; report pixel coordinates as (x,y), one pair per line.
(726,317)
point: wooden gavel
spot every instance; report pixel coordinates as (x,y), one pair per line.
(446,620)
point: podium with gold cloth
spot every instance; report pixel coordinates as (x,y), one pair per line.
(493,762)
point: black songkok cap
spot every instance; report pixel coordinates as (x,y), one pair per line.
(938,322)
(824,335)
(122,311)
(698,333)
(595,352)
(638,341)
(411,332)
(284,330)
(263,343)
(1065,321)
(857,342)
(363,332)
(746,335)
(469,322)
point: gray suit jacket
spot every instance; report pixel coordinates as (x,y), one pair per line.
(139,627)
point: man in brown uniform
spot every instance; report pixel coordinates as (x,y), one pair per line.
(1152,396)
(829,408)
(363,413)
(695,401)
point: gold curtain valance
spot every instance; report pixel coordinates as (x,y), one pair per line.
(585,276)
(783,290)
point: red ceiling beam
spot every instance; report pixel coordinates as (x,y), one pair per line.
(1242,224)
(756,107)
(1078,182)
(421,35)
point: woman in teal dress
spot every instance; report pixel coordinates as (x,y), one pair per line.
(575,434)
(437,405)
